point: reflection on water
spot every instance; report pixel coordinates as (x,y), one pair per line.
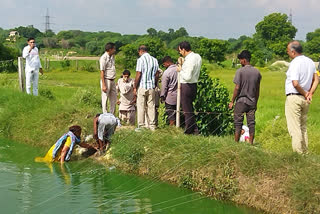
(86,187)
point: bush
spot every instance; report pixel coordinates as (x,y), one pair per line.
(8,66)
(65,63)
(47,94)
(213,98)
(87,97)
(88,67)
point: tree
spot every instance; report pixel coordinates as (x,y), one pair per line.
(213,50)
(28,31)
(312,45)
(275,30)
(152,32)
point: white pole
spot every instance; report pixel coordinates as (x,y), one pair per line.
(178,102)
(21,74)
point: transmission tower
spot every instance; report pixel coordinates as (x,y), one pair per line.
(290,16)
(47,23)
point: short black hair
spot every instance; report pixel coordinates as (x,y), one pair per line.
(109,46)
(97,115)
(126,72)
(30,38)
(185,45)
(167,59)
(245,54)
(295,45)
(143,48)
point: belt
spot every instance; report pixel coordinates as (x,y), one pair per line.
(294,94)
(111,79)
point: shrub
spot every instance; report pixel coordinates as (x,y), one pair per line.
(46,93)
(65,63)
(87,97)
(212,103)
(88,67)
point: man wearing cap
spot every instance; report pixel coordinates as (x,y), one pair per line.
(108,75)
(246,94)
(301,83)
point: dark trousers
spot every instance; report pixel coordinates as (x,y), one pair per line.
(188,95)
(171,111)
(239,110)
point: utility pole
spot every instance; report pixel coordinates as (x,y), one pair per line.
(47,22)
(290,16)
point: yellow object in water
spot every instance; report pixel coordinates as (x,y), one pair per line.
(48,157)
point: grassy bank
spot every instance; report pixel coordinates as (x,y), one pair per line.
(267,176)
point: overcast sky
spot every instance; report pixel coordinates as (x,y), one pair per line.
(221,19)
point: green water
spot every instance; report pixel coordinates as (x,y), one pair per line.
(87,187)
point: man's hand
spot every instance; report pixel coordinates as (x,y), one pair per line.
(134,100)
(180,60)
(179,68)
(230,105)
(41,71)
(135,92)
(104,88)
(162,99)
(308,97)
(31,47)
(118,102)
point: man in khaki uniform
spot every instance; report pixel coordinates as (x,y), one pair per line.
(108,75)
(127,110)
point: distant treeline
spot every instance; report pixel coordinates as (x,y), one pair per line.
(268,43)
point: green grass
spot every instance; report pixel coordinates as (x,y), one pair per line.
(267,176)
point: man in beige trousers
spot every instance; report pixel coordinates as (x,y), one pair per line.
(301,83)
(147,74)
(108,75)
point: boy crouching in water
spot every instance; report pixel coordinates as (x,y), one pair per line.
(104,126)
(127,109)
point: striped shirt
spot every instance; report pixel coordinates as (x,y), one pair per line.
(148,66)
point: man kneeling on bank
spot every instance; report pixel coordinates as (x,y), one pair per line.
(104,126)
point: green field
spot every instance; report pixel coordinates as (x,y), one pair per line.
(267,176)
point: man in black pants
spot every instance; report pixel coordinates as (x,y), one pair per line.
(189,75)
(246,92)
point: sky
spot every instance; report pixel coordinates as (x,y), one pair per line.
(221,19)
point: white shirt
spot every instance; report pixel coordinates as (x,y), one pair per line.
(126,94)
(32,58)
(107,64)
(191,68)
(301,69)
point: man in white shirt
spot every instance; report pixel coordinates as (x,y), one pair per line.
(33,66)
(301,83)
(189,75)
(108,75)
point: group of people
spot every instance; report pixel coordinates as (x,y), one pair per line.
(300,85)
(140,94)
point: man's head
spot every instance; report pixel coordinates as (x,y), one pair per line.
(31,41)
(244,57)
(142,49)
(125,75)
(110,48)
(167,61)
(184,48)
(294,49)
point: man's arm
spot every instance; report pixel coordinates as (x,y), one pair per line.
(103,82)
(297,86)
(95,130)
(235,94)
(136,82)
(314,85)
